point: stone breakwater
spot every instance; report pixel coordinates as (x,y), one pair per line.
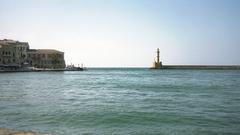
(4,131)
(215,67)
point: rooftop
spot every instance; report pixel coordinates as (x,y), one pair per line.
(10,42)
(44,51)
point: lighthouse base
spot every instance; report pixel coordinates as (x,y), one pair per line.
(156,65)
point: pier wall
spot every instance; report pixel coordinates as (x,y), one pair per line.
(233,67)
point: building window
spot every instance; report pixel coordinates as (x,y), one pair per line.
(13,60)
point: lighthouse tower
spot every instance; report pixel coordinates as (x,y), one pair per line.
(158,56)
(157,63)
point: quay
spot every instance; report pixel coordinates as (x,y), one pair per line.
(49,70)
(157,64)
(44,70)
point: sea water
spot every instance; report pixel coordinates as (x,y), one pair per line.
(122,101)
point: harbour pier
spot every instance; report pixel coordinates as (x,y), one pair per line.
(157,64)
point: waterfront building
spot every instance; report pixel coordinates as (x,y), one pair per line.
(46,58)
(13,54)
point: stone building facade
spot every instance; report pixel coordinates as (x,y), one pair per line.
(15,54)
(45,58)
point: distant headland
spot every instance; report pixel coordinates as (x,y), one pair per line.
(157,64)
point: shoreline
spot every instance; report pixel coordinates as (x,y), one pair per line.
(42,70)
(5,131)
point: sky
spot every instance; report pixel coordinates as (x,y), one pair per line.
(126,33)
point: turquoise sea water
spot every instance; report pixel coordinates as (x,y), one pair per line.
(122,101)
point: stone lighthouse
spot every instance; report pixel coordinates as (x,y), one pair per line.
(157,63)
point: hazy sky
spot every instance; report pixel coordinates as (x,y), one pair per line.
(126,33)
